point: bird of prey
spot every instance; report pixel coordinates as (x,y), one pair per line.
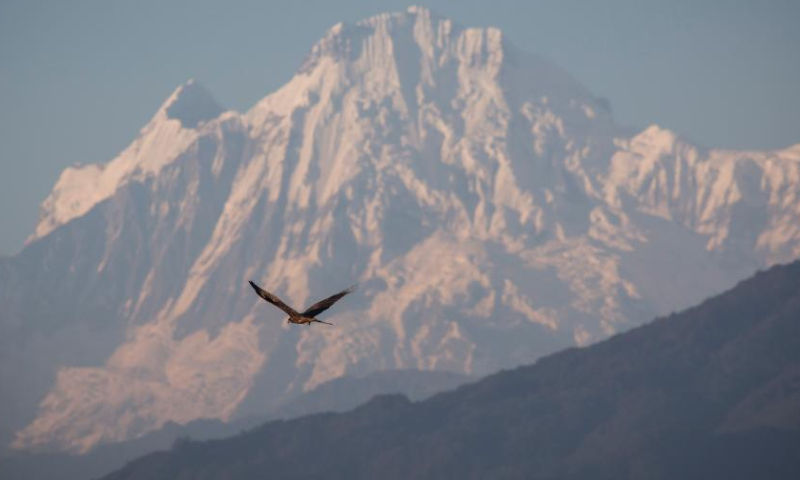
(308,315)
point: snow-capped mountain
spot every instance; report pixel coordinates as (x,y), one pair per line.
(486,202)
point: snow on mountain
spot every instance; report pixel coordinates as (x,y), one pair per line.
(487,203)
(167,135)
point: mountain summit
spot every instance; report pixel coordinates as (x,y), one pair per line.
(191,104)
(171,130)
(486,202)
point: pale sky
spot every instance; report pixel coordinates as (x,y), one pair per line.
(78,79)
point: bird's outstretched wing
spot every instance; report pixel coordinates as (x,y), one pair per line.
(323,305)
(273,299)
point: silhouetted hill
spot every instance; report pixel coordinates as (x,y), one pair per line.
(345,393)
(338,395)
(708,393)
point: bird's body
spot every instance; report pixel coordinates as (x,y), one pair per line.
(308,316)
(305,320)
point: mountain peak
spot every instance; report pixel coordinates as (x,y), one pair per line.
(344,41)
(80,188)
(412,57)
(417,9)
(414,12)
(191,103)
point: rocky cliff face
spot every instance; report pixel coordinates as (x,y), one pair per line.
(487,203)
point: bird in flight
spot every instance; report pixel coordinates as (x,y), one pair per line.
(307,316)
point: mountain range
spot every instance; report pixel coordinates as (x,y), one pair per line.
(487,203)
(712,392)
